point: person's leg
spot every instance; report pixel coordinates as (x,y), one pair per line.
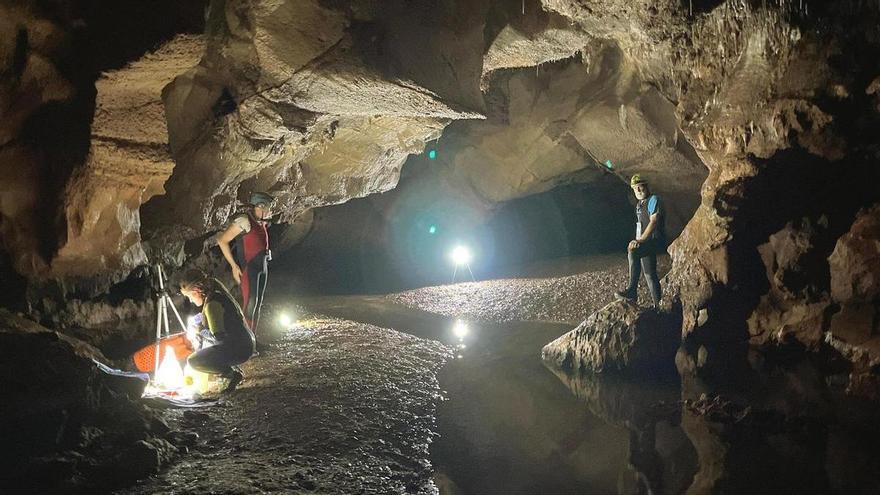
(260,291)
(635,270)
(649,266)
(245,289)
(222,360)
(249,299)
(212,359)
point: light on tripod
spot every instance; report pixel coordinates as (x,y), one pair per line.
(460,255)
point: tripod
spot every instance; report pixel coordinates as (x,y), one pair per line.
(455,272)
(163,302)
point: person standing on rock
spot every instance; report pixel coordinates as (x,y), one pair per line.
(250,264)
(650,240)
(234,342)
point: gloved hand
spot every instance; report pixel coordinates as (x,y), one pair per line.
(195,325)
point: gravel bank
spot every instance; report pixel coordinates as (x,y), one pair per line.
(334,407)
(567,299)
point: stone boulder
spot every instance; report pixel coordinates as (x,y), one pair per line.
(797,303)
(66,425)
(855,286)
(618,338)
(855,262)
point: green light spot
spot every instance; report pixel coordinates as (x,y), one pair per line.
(609,164)
(432,154)
(432,229)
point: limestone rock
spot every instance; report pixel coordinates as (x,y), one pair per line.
(797,302)
(855,262)
(128,163)
(61,416)
(539,135)
(855,286)
(332,129)
(617,338)
(31,84)
(548,38)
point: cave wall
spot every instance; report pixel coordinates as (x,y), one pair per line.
(83,134)
(321,103)
(768,109)
(778,100)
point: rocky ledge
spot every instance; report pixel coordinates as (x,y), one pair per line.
(618,338)
(68,427)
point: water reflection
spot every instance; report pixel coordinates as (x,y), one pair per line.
(509,427)
(750,423)
(767,424)
(660,457)
(771,423)
(460,330)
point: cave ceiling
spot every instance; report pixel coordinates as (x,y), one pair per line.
(323,101)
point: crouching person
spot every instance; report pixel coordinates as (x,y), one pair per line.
(233,340)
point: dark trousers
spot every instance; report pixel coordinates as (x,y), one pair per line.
(220,358)
(253,288)
(644,258)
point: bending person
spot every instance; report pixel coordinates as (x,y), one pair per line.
(234,341)
(250,267)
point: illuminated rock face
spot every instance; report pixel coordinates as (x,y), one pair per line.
(770,118)
(617,339)
(128,163)
(83,133)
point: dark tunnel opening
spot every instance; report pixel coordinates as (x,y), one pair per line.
(378,245)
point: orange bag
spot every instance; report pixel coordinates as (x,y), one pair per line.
(145,358)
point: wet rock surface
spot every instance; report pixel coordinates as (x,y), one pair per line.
(332,406)
(618,338)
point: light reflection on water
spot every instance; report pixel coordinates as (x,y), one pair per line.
(460,332)
(512,426)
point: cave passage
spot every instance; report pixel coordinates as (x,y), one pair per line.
(455,190)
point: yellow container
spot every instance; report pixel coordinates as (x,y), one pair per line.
(195,381)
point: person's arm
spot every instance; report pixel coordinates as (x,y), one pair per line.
(223,240)
(652,223)
(655,209)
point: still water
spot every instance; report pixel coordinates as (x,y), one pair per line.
(749,423)
(512,426)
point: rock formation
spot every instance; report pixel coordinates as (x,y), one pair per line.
(70,427)
(661,458)
(855,329)
(618,338)
(121,146)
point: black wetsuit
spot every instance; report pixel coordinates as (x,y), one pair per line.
(252,255)
(234,340)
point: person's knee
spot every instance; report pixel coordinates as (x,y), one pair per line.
(196,362)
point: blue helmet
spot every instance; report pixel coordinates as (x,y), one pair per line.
(261,198)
